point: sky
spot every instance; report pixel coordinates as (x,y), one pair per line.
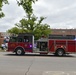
(60,14)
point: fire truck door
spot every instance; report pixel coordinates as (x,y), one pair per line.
(12,43)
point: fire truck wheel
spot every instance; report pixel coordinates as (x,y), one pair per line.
(19,51)
(60,52)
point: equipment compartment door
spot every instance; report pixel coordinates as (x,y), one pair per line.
(51,46)
(71,46)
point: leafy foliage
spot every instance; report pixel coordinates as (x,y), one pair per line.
(14,30)
(1,5)
(33,26)
(27,6)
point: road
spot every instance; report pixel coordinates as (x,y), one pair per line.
(32,64)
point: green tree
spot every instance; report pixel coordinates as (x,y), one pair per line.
(34,26)
(14,30)
(31,23)
(27,6)
(1,5)
(21,25)
(43,30)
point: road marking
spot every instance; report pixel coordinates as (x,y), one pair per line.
(59,73)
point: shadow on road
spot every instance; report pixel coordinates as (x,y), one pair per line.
(42,55)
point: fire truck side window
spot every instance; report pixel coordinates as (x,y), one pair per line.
(20,40)
(28,39)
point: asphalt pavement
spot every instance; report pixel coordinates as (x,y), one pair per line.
(35,64)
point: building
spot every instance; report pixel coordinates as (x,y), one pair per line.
(63,31)
(1,39)
(5,34)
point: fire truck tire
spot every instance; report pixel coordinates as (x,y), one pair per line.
(19,51)
(60,52)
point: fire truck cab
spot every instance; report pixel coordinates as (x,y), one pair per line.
(22,43)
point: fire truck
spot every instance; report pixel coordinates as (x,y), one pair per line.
(56,44)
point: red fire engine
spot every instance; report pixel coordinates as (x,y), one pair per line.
(56,44)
